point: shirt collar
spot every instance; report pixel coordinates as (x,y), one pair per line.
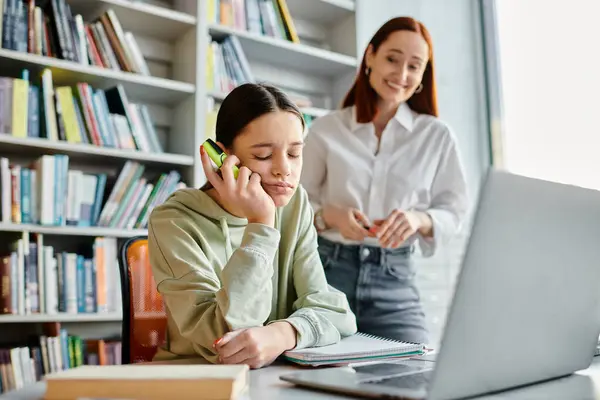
(404,116)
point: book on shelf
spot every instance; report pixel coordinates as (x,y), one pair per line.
(78,114)
(262,17)
(25,363)
(226,65)
(35,278)
(49,28)
(46,192)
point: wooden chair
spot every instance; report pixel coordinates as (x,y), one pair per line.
(144,315)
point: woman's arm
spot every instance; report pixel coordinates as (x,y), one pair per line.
(321,314)
(203,305)
(449,200)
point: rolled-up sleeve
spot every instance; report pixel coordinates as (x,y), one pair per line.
(449,199)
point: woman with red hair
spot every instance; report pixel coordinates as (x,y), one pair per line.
(384,174)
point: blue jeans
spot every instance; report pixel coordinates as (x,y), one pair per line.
(380,287)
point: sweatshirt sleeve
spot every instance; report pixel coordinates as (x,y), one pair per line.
(202,305)
(321,314)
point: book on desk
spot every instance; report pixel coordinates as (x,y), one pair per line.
(147,381)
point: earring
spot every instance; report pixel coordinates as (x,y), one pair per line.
(367,71)
(419,88)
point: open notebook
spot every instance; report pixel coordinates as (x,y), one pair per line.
(357,348)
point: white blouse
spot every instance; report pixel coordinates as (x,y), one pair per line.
(417,167)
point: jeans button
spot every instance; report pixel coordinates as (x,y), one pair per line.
(365,253)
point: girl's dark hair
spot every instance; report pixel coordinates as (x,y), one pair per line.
(246,103)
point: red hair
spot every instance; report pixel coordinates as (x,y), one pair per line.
(364,97)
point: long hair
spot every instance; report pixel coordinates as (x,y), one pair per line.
(364,97)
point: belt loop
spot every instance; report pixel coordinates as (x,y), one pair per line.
(382,256)
(336,251)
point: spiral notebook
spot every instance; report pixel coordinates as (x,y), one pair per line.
(356,348)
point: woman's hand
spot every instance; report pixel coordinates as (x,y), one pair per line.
(399,226)
(350,222)
(244,197)
(256,347)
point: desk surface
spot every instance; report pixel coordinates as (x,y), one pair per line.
(265,384)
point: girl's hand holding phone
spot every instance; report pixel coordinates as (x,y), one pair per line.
(244,196)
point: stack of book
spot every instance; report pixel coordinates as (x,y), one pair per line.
(49,28)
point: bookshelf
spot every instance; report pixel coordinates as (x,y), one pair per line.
(173,37)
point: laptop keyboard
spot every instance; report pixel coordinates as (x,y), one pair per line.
(413,381)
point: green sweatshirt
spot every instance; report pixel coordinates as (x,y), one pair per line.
(218,273)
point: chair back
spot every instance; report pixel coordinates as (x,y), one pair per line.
(144,315)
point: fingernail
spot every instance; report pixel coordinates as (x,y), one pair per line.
(217,342)
(202,150)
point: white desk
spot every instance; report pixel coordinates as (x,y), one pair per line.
(265,384)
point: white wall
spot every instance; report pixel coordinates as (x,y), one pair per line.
(455,28)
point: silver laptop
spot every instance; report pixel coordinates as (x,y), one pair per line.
(526,306)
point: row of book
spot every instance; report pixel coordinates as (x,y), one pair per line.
(36,279)
(46,192)
(56,350)
(79,114)
(49,28)
(263,17)
(227,67)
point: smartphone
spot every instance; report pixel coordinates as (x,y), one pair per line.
(217,155)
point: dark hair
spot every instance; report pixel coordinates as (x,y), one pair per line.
(246,103)
(364,97)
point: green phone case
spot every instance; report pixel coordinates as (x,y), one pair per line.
(217,155)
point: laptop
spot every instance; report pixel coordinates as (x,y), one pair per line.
(525,307)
